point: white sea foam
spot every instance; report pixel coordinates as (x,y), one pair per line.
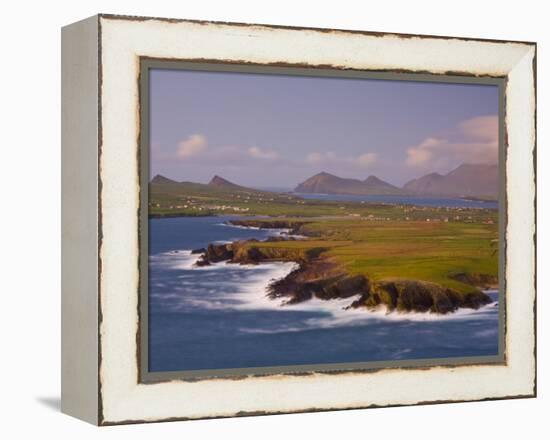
(272,232)
(178,259)
(229,225)
(400,353)
(244,286)
(286,233)
(336,314)
(249,291)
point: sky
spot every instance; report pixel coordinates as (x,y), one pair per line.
(276,130)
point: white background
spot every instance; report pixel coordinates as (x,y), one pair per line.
(30,220)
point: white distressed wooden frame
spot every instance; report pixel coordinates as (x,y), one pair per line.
(101,202)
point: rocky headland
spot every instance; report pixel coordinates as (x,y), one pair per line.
(319,276)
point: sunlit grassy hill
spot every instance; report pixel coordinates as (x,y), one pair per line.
(437,252)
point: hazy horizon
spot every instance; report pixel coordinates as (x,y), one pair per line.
(280,187)
(277,131)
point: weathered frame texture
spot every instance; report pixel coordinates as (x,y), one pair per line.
(121,398)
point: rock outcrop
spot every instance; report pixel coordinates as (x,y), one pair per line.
(250,252)
(317,276)
(419,296)
(215,253)
(319,279)
(476,279)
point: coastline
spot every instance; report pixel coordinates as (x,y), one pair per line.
(317,277)
(227,308)
(176,215)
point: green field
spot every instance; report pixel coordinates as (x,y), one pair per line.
(377,240)
(381,250)
(194,199)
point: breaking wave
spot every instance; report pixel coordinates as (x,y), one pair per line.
(228,286)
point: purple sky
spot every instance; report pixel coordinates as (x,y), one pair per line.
(276,131)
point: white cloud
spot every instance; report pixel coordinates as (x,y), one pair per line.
(471,141)
(423,153)
(482,128)
(196,149)
(192,146)
(258,153)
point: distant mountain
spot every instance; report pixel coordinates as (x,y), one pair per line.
(466,180)
(428,184)
(161,180)
(380,186)
(217,183)
(220,182)
(325,183)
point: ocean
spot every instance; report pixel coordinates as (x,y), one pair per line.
(443,202)
(219,316)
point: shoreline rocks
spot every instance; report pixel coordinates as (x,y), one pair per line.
(476,279)
(419,296)
(320,277)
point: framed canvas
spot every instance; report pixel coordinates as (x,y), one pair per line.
(262,219)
